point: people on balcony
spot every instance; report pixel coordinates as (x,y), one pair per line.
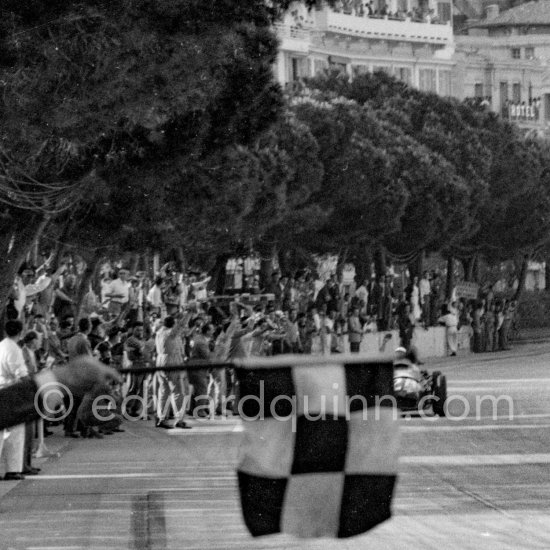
(362,8)
(512,110)
(522,110)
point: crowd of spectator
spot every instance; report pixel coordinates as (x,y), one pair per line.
(360,8)
(134,321)
(483,102)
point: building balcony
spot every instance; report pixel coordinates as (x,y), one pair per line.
(296,34)
(293,38)
(384,28)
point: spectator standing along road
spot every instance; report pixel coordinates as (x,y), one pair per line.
(355,331)
(12,369)
(172,384)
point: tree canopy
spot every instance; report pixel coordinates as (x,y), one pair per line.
(413,172)
(157,124)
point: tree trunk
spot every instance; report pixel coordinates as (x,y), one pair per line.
(147,263)
(416,267)
(181,264)
(126,260)
(450,277)
(35,252)
(156,264)
(342,261)
(362,261)
(476,269)
(420,260)
(217,283)
(284,262)
(547,275)
(134,263)
(368,264)
(59,248)
(267,255)
(468,267)
(522,276)
(380,265)
(471,268)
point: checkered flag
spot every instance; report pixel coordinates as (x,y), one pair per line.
(320,457)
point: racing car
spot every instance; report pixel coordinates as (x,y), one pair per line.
(416,390)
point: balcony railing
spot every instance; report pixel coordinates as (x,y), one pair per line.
(383,28)
(292,32)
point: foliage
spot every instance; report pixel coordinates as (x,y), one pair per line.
(160,104)
(451,172)
(161,122)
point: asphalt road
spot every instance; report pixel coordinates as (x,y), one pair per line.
(478,479)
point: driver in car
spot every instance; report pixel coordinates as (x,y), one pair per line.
(409,359)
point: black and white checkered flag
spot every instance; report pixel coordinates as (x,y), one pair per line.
(320,448)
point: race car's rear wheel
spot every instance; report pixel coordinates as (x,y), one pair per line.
(439,389)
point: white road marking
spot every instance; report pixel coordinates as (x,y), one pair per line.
(478,460)
(429,460)
(201,430)
(435,428)
(168,474)
(506,417)
(433,424)
(496,390)
(500,381)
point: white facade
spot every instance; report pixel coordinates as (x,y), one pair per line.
(510,70)
(419,53)
(505,59)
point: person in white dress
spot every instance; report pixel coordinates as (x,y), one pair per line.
(415,300)
(12,369)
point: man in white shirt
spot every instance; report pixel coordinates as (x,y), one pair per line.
(154,296)
(362,294)
(105,289)
(185,286)
(173,385)
(119,292)
(12,369)
(199,288)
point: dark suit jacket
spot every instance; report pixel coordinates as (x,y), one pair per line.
(17,403)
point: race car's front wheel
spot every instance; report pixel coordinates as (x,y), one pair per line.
(439,389)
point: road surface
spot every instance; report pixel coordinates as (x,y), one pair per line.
(480,479)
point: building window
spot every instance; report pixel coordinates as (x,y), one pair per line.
(338,63)
(444,11)
(445,83)
(360,69)
(516,92)
(529,53)
(340,67)
(516,53)
(426,80)
(319,66)
(404,74)
(478,90)
(298,68)
(503,87)
(381,69)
